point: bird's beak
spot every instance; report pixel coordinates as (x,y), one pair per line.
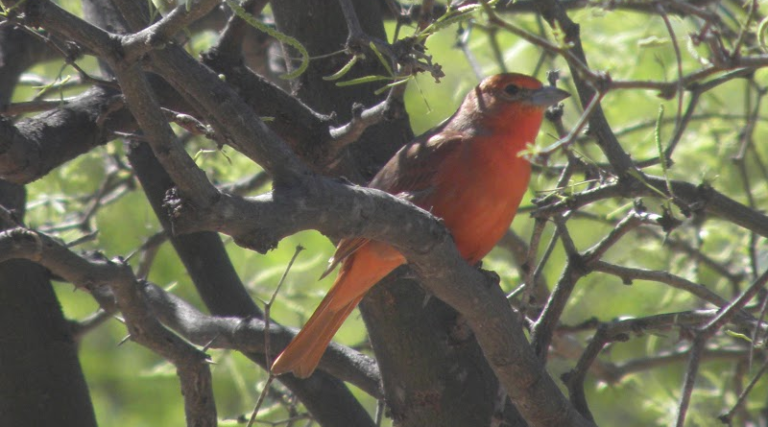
(548,95)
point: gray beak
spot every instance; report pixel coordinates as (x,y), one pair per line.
(548,95)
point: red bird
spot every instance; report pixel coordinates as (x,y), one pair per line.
(467,171)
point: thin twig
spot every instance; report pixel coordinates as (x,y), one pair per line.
(267,350)
(704,334)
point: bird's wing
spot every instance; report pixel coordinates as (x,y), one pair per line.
(408,175)
(412,170)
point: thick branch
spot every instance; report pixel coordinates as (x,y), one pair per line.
(247,335)
(179,165)
(189,77)
(35,146)
(161,32)
(143,326)
(224,295)
(344,211)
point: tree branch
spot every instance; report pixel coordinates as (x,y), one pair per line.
(191,364)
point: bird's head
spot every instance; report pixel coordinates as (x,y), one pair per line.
(515,93)
(508,104)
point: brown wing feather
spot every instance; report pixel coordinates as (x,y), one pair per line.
(345,248)
(409,175)
(412,169)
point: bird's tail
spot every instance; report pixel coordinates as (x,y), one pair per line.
(358,274)
(303,353)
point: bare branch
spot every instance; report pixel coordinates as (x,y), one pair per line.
(129,293)
(704,334)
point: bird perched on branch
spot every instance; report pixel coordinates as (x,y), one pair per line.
(467,171)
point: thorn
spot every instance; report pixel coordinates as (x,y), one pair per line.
(123,341)
(210,343)
(427,297)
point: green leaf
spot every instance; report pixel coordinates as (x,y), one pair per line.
(652,41)
(282,37)
(452,16)
(761,33)
(375,50)
(738,335)
(343,71)
(362,80)
(393,84)
(662,156)
(639,176)
(45,89)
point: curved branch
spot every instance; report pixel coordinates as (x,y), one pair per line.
(198,83)
(192,366)
(343,211)
(35,146)
(247,335)
(224,295)
(628,274)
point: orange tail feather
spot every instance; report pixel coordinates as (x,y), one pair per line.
(358,274)
(303,353)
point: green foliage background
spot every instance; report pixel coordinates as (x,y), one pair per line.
(132,386)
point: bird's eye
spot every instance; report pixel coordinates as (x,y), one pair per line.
(512,90)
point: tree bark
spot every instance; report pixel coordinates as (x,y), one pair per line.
(42,382)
